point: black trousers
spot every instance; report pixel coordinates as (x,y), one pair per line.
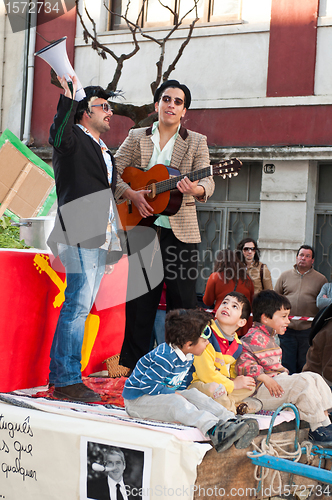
(175,263)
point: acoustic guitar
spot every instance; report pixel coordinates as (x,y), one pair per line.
(164,197)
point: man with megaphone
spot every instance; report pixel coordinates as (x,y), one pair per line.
(85,231)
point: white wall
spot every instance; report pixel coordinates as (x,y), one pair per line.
(221,62)
(11,71)
(286,216)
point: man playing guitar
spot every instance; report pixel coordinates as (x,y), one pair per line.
(167,142)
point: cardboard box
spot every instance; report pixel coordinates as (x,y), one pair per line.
(27,187)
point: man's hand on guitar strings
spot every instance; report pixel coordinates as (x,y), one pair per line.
(139,200)
(185,186)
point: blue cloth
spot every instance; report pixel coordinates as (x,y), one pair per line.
(325,290)
(84,270)
(294,345)
(158,332)
(161,371)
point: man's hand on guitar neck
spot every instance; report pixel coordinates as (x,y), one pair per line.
(185,186)
(139,200)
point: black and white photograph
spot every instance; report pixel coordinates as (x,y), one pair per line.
(112,471)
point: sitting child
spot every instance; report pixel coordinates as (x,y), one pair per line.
(215,373)
(156,388)
(261,359)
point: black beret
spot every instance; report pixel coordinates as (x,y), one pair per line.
(176,84)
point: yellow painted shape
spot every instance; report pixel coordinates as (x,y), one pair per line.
(92,322)
(41,262)
(90,333)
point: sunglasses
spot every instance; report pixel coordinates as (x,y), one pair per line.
(206,333)
(177,100)
(105,105)
(249,249)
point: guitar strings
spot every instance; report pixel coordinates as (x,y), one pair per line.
(169,184)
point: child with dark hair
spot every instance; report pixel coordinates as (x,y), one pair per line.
(261,359)
(157,387)
(229,274)
(215,373)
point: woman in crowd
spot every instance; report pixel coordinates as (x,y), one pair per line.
(229,274)
(258,272)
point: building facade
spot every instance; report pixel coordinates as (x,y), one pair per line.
(260,73)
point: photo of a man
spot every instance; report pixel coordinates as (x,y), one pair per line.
(113,473)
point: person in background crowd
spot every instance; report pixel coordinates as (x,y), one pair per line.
(229,275)
(258,272)
(158,332)
(324,298)
(319,355)
(300,285)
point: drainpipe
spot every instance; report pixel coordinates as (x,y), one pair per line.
(3,29)
(28,75)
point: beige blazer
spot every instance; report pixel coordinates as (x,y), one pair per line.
(190,153)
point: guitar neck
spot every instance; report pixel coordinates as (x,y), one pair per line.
(196,175)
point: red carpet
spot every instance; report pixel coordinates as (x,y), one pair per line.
(110,390)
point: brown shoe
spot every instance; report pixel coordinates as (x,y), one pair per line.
(77,392)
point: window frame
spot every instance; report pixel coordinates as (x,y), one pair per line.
(207,18)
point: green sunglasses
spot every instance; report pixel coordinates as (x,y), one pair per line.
(206,333)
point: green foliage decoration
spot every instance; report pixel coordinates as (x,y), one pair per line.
(10,235)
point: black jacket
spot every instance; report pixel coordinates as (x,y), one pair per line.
(98,490)
(82,186)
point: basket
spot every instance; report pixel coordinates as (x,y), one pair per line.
(114,369)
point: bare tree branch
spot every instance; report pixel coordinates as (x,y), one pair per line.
(102,49)
(141,115)
(171,67)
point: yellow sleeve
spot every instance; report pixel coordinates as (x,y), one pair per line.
(206,371)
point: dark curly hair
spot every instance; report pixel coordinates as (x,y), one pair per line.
(91,91)
(257,252)
(185,325)
(306,247)
(242,299)
(268,302)
(229,264)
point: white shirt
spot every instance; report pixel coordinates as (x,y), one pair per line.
(162,157)
(112,240)
(112,488)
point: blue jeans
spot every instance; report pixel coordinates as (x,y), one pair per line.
(158,332)
(294,345)
(84,270)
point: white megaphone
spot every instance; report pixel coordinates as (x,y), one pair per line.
(56,56)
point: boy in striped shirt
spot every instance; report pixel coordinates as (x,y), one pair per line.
(157,387)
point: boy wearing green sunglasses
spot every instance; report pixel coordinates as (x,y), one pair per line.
(157,388)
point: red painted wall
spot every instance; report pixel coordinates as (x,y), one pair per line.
(291,72)
(45,95)
(246,127)
(267,126)
(292,52)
